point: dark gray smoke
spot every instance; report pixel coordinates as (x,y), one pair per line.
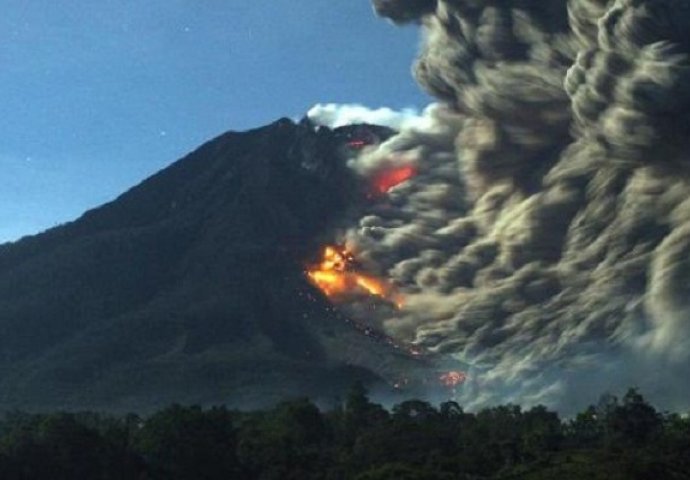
(404,11)
(546,240)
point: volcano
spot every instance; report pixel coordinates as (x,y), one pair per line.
(190,287)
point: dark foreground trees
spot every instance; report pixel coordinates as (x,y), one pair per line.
(623,439)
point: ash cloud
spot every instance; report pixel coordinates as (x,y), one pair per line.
(546,240)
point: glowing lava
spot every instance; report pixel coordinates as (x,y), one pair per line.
(385,180)
(336,277)
(453,379)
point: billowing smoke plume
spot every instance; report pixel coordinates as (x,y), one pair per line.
(546,241)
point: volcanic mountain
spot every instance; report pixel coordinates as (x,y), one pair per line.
(190,287)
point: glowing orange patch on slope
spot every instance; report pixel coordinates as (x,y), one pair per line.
(336,277)
(385,180)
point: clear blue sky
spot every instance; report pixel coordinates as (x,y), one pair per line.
(97,95)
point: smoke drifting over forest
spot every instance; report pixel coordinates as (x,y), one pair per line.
(546,239)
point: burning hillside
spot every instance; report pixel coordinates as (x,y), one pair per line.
(191,287)
(337,276)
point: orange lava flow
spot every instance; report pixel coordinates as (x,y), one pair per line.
(387,179)
(336,277)
(453,378)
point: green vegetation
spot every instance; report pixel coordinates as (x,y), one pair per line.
(624,439)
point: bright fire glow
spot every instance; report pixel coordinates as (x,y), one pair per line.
(336,277)
(384,180)
(453,379)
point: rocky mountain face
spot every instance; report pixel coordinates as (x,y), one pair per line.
(190,287)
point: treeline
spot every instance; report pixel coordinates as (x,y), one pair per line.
(616,439)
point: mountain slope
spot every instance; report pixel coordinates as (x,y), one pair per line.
(189,287)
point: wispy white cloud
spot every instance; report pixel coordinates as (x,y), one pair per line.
(337,115)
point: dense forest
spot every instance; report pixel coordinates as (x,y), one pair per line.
(614,439)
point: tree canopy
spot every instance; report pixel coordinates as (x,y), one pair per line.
(624,439)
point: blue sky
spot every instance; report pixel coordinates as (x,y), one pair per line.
(96,96)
